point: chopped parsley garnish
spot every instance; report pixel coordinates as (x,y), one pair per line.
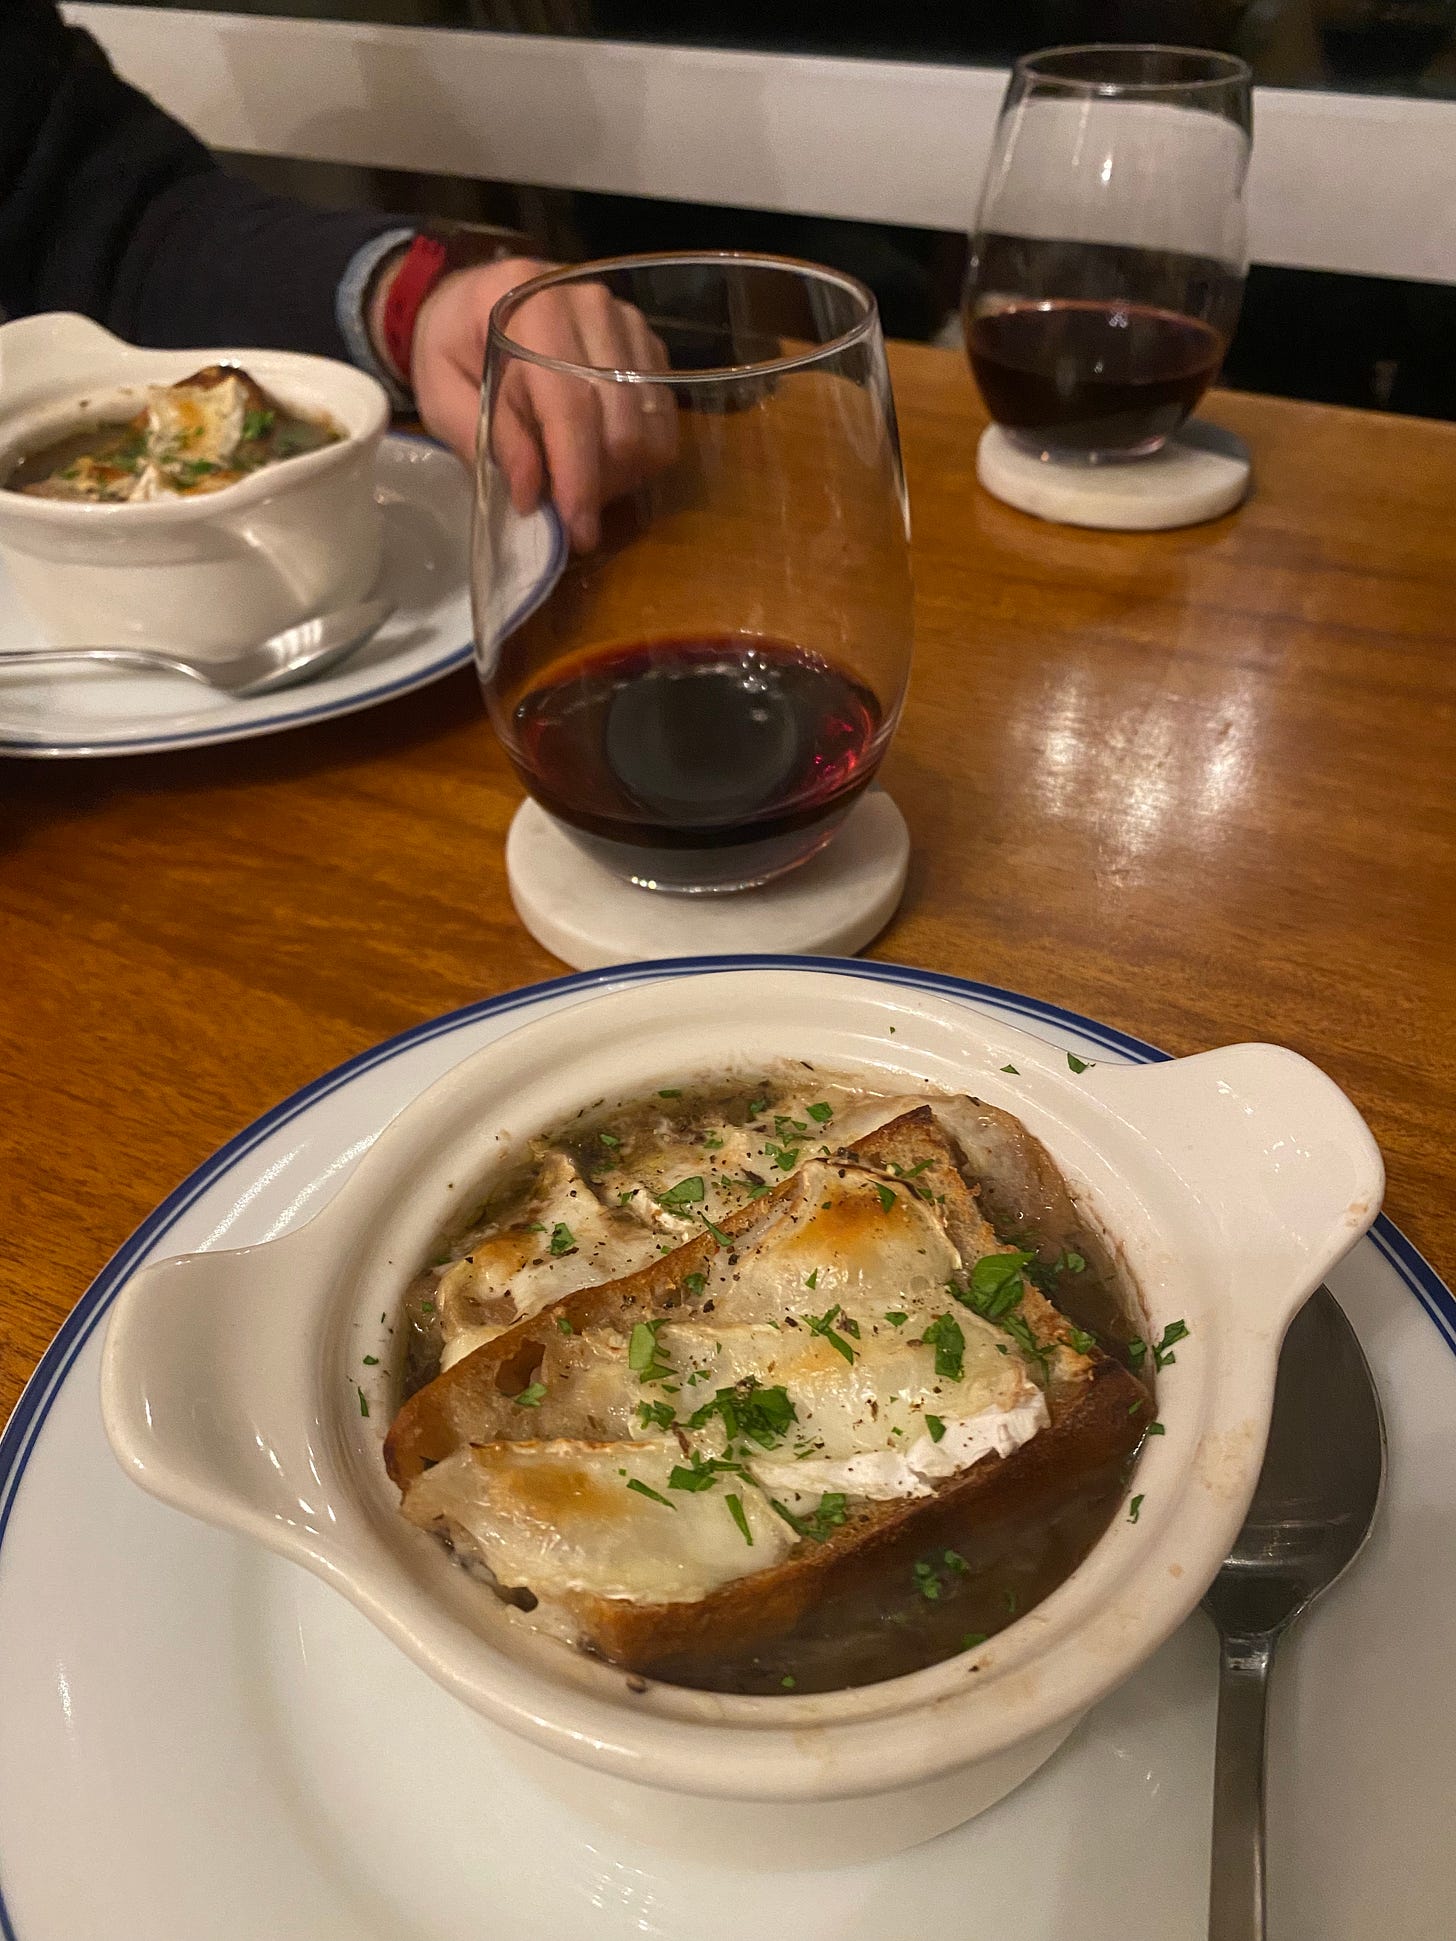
(609,1139)
(1069,1263)
(1163,1356)
(811,1281)
(849,1325)
(947,1338)
(926,1581)
(701,1472)
(1019,1328)
(687,1192)
(955,1561)
(831,1511)
(785,1127)
(695,1283)
(363,1401)
(756,1187)
(711,1141)
(736,1511)
(646,1489)
(823,1324)
(563,1241)
(910,1172)
(1083,1342)
(1012,1069)
(887,1197)
(786,1158)
(670,1092)
(821,1114)
(371,1361)
(655,1415)
(1156,1429)
(1077,1064)
(755,1106)
(897,1317)
(724,1240)
(1134,1509)
(761,1414)
(788,1681)
(532,1397)
(258,423)
(935,1426)
(625,1199)
(1137,1352)
(974,1638)
(642,1356)
(996,1284)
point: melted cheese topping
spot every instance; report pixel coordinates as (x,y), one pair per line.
(844,1407)
(561,1517)
(513,1273)
(736,1163)
(867,1243)
(914,1468)
(198,421)
(827,1298)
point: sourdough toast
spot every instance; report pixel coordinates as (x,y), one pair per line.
(523,1389)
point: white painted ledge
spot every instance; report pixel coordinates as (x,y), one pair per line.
(1365,184)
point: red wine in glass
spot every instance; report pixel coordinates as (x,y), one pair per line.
(1091,374)
(696,758)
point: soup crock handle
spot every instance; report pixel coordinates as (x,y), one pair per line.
(209,1388)
(1279,1157)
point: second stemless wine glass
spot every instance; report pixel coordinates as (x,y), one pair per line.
(699,675)
(1109,257)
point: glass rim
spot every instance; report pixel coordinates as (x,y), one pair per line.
(500,341)
(1232,70)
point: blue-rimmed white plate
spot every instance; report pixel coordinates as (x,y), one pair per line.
(197,1740)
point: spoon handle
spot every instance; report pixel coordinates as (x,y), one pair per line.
(1236,1882)
(115,656)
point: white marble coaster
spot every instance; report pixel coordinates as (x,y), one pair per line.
(1201,473)
(833,905)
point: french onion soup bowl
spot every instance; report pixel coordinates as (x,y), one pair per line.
(784,1404)
(195,499)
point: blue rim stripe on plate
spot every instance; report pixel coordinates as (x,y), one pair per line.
(22,1432)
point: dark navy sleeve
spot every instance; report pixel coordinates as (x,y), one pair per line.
(110,207)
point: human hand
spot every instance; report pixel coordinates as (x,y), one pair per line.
(589,442)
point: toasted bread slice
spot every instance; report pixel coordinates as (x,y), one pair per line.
(900,1188)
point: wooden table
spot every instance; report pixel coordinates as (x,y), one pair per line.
(1201,785)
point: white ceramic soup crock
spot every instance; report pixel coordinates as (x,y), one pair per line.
(1230,1182)
(209,575)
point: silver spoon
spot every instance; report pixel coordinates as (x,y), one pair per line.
(1312,1511)
(286,659)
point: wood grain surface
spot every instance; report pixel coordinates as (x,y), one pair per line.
(1201,785)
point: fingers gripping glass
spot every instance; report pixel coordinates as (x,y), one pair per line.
(1109,257)
(691,560)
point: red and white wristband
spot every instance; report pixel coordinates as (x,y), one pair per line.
(415,260)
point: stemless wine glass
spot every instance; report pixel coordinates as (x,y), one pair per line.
(1109,257)
(695,640)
